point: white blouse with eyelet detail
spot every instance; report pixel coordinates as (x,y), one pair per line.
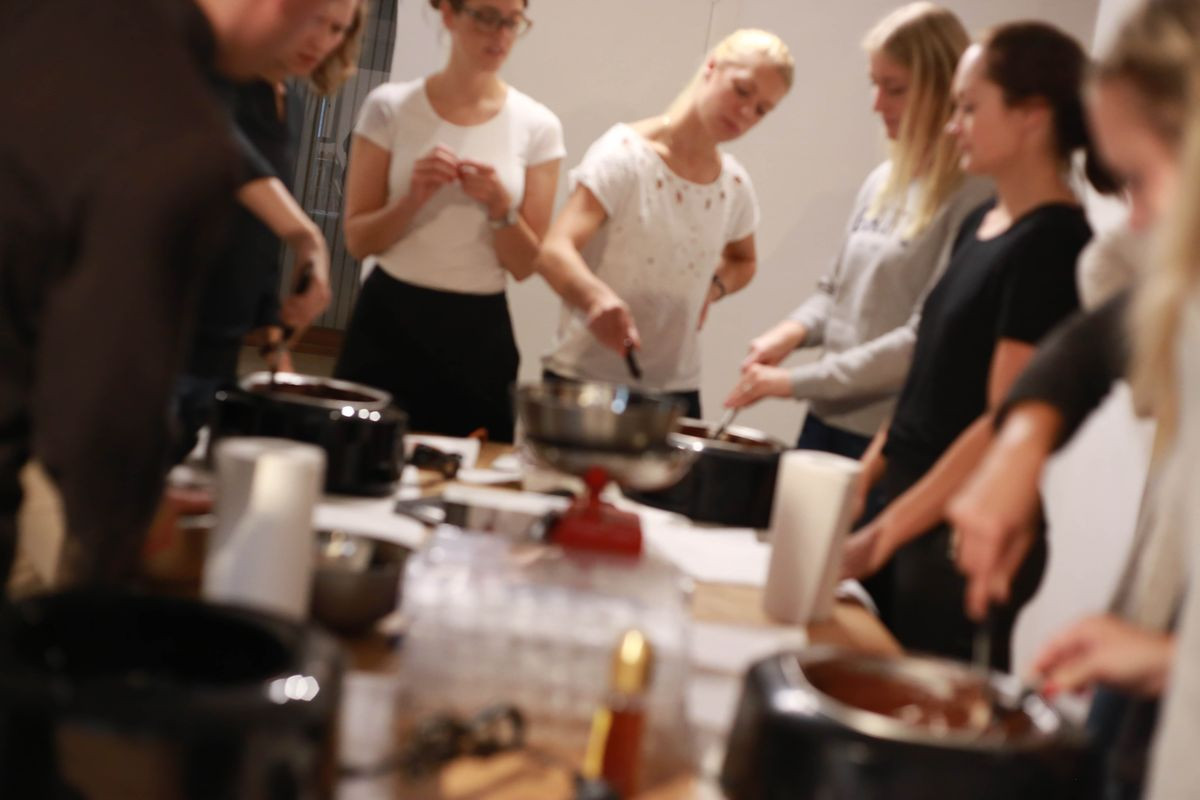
(657,250)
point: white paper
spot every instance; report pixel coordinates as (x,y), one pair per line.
(487,477)
(370,516)
(712,555)
(731,649)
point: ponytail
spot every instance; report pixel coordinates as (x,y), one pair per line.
(1036,61)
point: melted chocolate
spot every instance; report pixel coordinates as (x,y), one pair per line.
(702,432)
(963,709)
(315,390)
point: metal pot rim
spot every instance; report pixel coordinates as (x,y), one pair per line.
(379,398)
(703,443)
(1049,726)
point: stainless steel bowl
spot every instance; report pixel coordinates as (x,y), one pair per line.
(356,582)
(596,416)
(649,470)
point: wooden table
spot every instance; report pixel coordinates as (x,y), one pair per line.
(528,776)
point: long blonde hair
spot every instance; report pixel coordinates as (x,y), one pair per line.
(736,48)
(927,40)
(1156,53)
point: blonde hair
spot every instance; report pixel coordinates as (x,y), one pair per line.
(1156,52)
(927,40)
(735,48)
(337,67)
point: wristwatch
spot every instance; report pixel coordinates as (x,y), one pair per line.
(509,219)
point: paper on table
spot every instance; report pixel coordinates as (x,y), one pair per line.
(719,656)
(372,516)
(730,649)
(713,555)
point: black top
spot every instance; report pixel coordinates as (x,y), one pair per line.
(242,292)
(1016,285)
(1076,366)
(116,176)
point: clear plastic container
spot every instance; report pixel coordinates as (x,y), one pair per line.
(495,620)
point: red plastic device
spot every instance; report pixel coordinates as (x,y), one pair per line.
(593,524)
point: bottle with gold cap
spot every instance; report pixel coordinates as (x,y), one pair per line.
(614,747)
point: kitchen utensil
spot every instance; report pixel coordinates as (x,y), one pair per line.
(356,425)
(731,482)
(274,352)
(357,581)
(726,420)
(823,723)
(596,416)
(107,695)
(631,361)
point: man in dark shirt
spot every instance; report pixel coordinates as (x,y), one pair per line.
(116,173)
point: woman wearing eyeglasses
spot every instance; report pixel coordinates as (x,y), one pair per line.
(449,191)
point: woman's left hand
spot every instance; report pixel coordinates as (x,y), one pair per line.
(866,551)
(481,184)
(759,381)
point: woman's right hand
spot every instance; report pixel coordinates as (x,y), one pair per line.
(774,345)
(431,172)
(1109,651)
(609,320)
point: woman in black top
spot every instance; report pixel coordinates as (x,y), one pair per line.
(1019,119)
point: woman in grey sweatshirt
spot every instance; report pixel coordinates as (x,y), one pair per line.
(898,240)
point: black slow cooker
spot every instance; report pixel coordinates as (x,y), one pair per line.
(360,430)
(822,724)
(731,482)
(113,696)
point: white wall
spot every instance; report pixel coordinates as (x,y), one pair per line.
(598,63)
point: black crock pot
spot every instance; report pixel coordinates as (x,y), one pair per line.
(732,482)
(793,739)
(357,426)
(111,696)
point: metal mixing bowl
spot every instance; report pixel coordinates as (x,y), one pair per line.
(596,416)
(356,582)
(649,470)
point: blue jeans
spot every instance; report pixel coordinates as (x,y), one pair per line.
(818,435)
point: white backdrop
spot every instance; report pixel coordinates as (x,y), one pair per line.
(597,63)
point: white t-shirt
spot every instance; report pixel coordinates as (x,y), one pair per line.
(657,250)
(448,245)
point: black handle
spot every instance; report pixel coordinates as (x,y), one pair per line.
(631,361)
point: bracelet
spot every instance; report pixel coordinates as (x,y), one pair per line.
(720,284)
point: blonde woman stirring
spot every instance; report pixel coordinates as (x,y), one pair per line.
(450,188)
(897,243)
(660,224)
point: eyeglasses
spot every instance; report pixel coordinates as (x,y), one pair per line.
(489,20)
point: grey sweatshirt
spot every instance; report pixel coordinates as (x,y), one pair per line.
(865,311)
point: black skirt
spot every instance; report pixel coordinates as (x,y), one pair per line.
(448,359)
